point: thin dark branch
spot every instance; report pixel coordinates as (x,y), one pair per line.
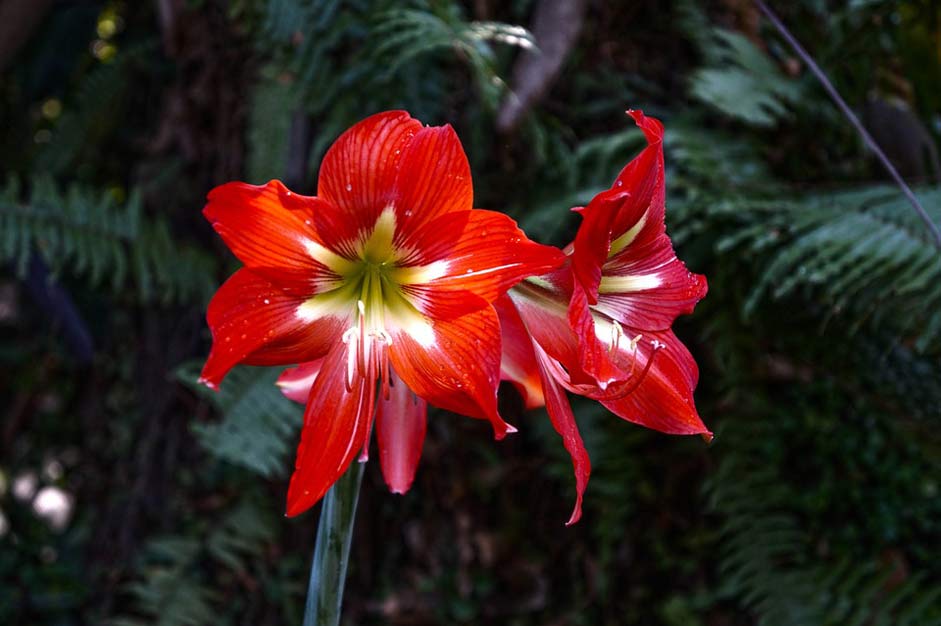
(867,138)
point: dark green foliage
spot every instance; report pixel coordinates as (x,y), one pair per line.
(88,234)
(259,425)
(818,344)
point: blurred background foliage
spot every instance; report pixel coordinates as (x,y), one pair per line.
(130,496)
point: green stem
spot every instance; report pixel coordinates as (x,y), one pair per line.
(332,551)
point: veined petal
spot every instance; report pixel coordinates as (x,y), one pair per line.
(596,352)
(336,426)
(491,256)
(267,227)
(433,177)
(542,304)
(663,399)
(256,322)
(518,360)
(563,420)
(648,287)
(454,365)
(358,172)
(400,428)
(630,213)
(295,382)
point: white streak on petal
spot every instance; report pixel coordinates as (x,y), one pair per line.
(626,284)
(420,274)
(325,256)
(625,240)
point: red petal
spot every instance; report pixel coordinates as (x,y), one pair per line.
(400,428)
(563,420)
(595,355)
(491,256)
(254,321)
(359,170)
(647,287)
(266,226)
(295,382)
(336,425)
(433,178)
(629,213)
(518,361)
(544,311)
(457,368)
(664,398)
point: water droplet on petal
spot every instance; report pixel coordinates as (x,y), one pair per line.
(267,301)
(620,183)
(408,212)
(349,186)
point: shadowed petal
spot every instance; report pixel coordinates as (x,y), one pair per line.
(518,361)
(295,382)
(400,429)
(563,420)
(336,427)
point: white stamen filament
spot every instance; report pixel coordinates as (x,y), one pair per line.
(368,353)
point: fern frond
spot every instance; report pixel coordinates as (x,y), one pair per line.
(738,79)
(259,425)
(89,235)
(404,34)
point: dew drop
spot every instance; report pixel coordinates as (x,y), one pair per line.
(307,222)
(408,212)
(349,186)
(620,183)
(267,301)
(470,271)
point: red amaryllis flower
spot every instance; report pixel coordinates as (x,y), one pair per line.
(386,277)
(600,325)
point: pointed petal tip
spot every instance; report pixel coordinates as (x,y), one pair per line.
(400,490)
(576,512)
(214,385)
(502,429)
(651,126)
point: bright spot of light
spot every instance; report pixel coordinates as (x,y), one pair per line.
(53,505)
(51,108)
(103,51)
(106,27)
(52,470)
(24,485)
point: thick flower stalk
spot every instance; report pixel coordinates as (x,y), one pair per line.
(599,326)
(381,286)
